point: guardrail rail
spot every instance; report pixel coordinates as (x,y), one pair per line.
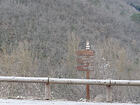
(108,83)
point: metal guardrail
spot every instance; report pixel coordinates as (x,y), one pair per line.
(108,83)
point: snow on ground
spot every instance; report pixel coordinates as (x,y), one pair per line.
(45,102)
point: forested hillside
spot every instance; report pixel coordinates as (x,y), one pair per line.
(40,38)
(134,3)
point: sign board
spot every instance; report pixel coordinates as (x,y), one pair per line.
(82,68)
(82,61)
(85,53)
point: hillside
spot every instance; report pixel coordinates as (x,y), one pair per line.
(40,38)
(134,3)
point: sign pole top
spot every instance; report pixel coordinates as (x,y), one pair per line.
(87,45)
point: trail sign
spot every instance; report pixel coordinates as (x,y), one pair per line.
(84,58)
(85,63)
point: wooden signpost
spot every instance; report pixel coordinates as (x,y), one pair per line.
(83,60)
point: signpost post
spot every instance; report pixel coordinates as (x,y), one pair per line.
(83,59)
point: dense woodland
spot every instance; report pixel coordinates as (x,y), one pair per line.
(40,37)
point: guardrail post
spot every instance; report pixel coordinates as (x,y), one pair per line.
(109,93)
(47,91)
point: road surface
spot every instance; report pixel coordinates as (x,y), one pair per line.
(45,102)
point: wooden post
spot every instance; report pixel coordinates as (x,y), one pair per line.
(109,93)
(87,73)
(87,87)
(47,91)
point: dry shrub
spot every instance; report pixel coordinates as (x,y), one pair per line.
(73,42)
(19,63)
(111,58)
(111,61)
